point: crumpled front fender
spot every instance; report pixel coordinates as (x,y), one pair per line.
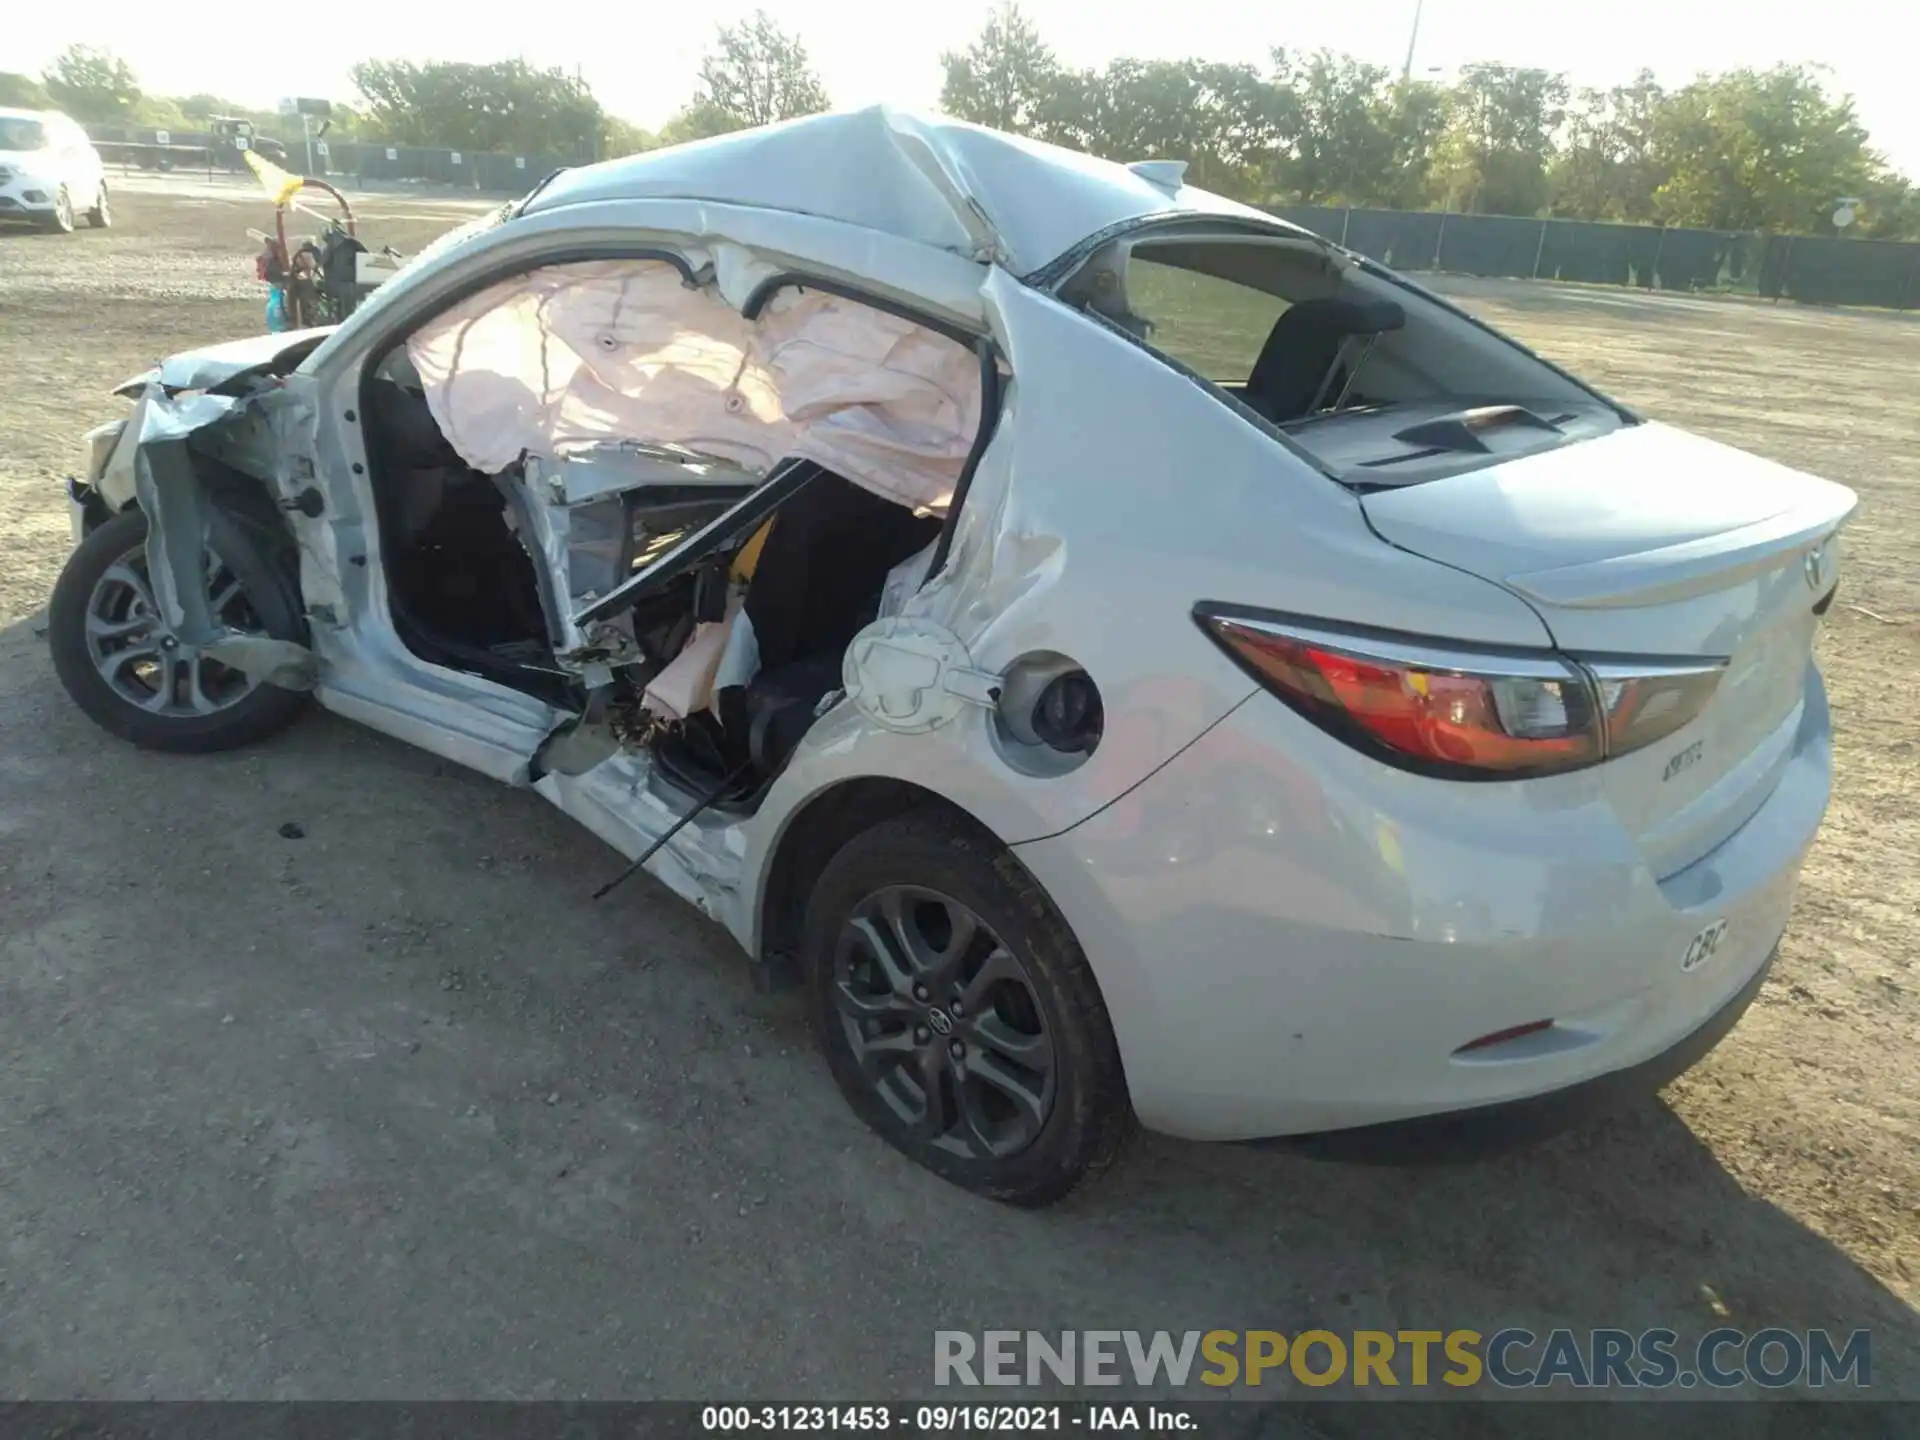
(153,463)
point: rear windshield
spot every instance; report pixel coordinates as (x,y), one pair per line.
(18,134)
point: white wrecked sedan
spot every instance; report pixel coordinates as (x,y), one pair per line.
(1121,654)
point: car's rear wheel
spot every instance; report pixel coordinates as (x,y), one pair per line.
(958,1014)
(62,217)
(100,216)
(124,668)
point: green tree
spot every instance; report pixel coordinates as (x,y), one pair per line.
(203,106)
(1758,150)
(161,112)
(1419,110)
(23,92)
(507,106)
(345,123)
(1499,140)
(620,137)
(1247,117)
(91,85)
(1339,145)
(1608,168)
(1214,117)
(1005,79)
(1889,208)
(758,73)
(700,120)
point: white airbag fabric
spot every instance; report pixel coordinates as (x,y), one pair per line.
(686,684)
(625,349)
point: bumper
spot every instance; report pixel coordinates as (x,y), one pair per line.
(1292,939)
(1491,1129)
(26,200)
(86,508)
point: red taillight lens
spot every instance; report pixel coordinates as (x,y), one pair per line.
(1467,717)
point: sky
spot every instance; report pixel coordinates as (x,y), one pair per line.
(641,59)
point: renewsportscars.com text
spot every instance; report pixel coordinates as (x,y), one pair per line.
(1512,1358)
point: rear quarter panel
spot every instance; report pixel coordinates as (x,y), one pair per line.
(1115,495)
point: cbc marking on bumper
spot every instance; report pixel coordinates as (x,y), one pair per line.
(1704,946)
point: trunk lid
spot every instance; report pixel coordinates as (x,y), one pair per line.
(1650,543)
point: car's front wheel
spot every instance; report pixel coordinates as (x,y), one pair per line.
(101,215)
(125,669)
(958,1014)
(61,219)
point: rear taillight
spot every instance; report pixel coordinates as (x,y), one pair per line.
(1462,714)
(1645,702)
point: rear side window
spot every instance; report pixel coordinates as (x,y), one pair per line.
(1212,326)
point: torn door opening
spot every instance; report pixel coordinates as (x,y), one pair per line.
(181,455)
(685,513)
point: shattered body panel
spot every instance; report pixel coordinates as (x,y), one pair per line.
(1085,444)
(153,462)
(215,367)
(1257,827)
(942,184)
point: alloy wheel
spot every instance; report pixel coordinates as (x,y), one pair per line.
(140,658)
(944,1023)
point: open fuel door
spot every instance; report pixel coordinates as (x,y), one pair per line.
(909,675)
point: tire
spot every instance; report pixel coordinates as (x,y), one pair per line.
(263,600)
(101,215)
(1027,978)
(61,220)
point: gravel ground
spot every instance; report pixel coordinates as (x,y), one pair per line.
(391,1110)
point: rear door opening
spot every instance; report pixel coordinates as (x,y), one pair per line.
(606,478)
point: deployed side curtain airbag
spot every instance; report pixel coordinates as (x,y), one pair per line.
(626,349)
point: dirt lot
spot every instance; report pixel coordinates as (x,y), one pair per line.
(391,1110)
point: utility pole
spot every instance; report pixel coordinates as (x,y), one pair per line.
(1406,70)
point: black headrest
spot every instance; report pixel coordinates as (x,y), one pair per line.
(1295,364)
(1346,315)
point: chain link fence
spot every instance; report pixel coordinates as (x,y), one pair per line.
(1816,269)
(147,148)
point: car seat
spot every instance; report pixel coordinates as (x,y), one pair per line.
(1306,358)
(816,581)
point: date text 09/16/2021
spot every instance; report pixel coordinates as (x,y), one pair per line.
(945,1419)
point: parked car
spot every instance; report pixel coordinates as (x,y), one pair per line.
(50,172)
(1123,655)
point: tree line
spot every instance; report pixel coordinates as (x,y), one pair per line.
(1740,150)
